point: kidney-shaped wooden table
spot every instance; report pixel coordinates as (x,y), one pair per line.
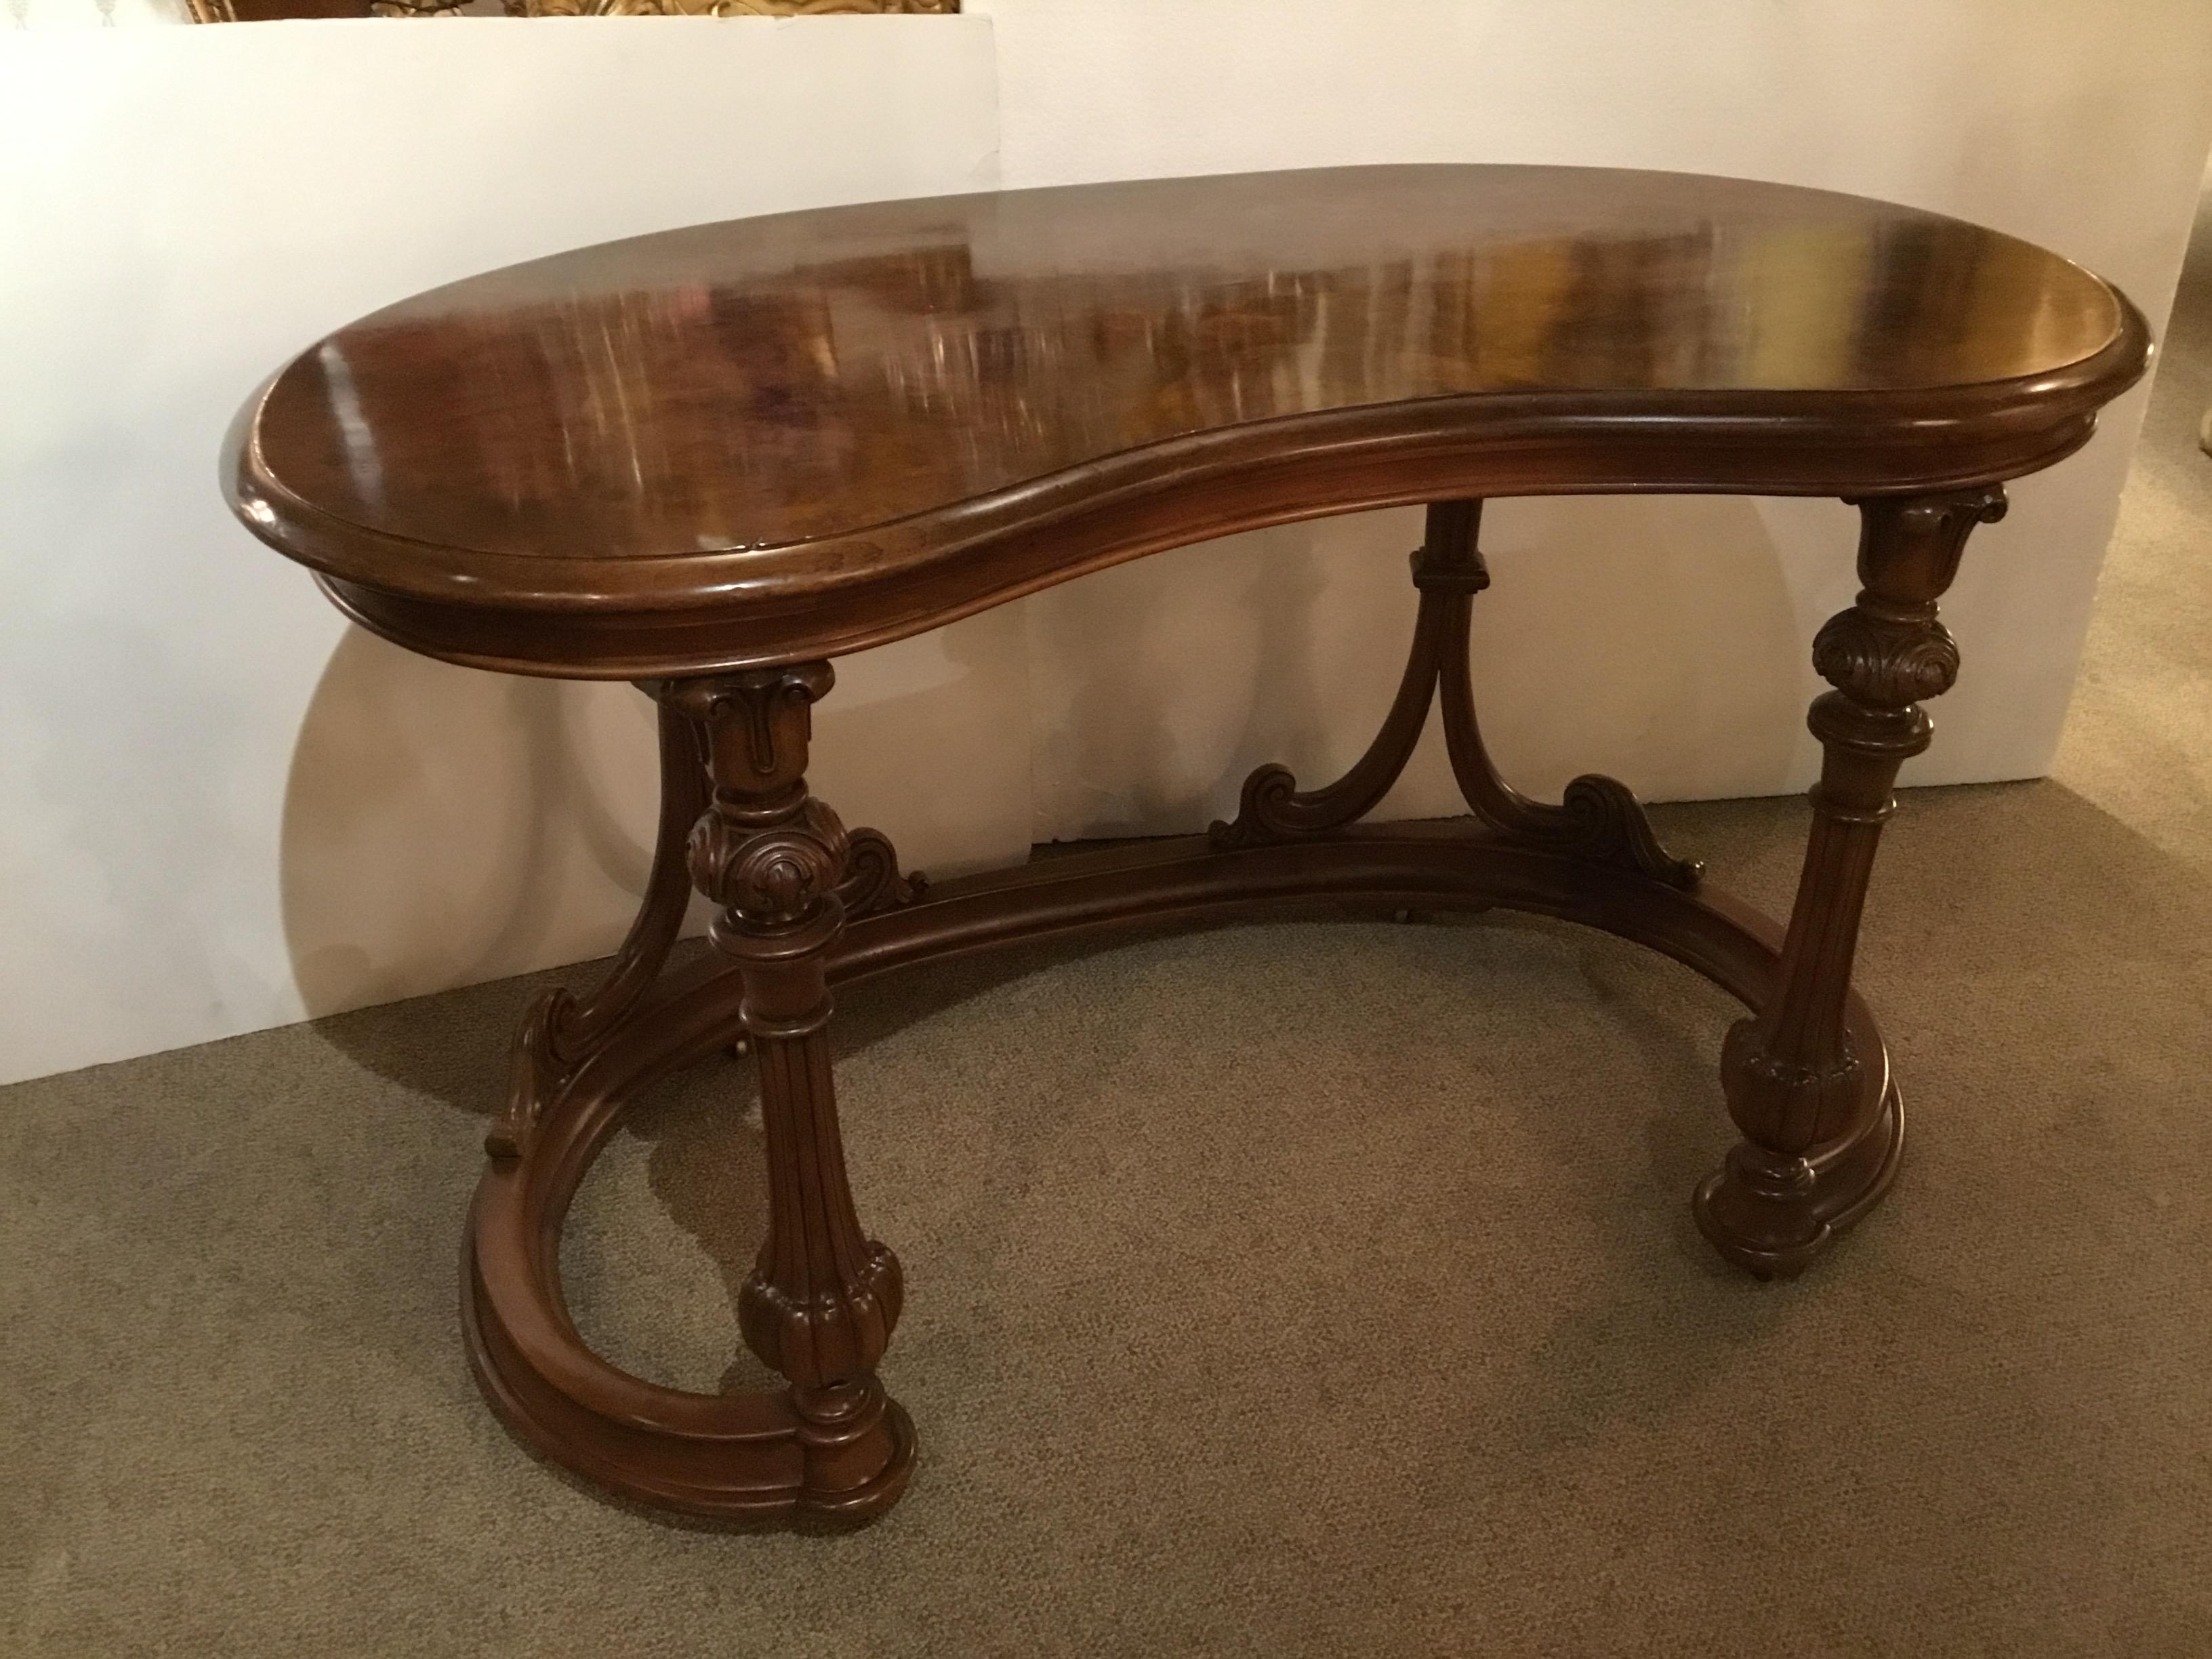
(711,460)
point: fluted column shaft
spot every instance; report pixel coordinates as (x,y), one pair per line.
(1795,1085)
(822,1297)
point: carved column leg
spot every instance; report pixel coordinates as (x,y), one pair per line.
(1821,1129)
(822,1297)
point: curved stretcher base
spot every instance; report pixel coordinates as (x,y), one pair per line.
(756,1456)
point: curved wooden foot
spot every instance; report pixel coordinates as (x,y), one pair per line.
(1772,1215)
(835,1455)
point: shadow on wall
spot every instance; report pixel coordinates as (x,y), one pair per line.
(1648,639)
(1163,682)
(444,826)
(1652,638)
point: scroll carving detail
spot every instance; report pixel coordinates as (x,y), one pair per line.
(1599,818)
(873,880)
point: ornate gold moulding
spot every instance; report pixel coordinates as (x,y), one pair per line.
(683,8)
(228,11)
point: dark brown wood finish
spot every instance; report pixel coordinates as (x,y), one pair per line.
(787,438)
(711,460)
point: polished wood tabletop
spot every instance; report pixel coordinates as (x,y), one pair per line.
(774,411)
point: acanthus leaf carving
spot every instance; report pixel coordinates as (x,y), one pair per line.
(839,1330)
(757,724)
(1886,659)
(774,877)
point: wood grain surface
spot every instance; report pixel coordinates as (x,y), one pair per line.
(785,438)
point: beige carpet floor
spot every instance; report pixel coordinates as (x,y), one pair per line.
(1318,1292)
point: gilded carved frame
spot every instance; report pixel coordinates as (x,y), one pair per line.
(232,11)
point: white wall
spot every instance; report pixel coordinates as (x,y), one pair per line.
(226,810)
(1674,636)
